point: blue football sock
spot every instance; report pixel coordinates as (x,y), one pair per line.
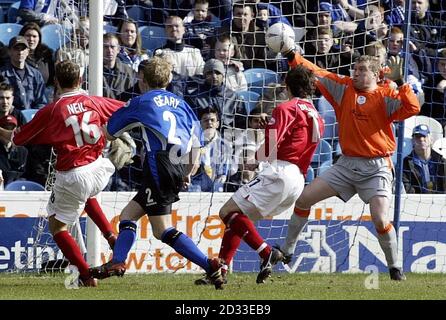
(125,241)
(186,247)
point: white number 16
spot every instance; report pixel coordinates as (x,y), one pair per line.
(85,133)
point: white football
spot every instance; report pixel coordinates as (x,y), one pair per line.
(280,37)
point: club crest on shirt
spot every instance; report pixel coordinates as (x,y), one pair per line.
(360,100)
(272,121)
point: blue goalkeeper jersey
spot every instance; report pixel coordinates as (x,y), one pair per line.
(166,120)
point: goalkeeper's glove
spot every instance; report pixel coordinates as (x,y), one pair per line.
(122,150)
(395,71)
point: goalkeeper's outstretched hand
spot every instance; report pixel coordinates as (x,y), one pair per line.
(122,150)
(395,64)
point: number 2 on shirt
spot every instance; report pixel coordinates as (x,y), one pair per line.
(170,117)
(85,133)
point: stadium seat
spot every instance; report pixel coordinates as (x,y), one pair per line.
(324,166)
(434,126)
(136,13)
(153,37)
(310,175)
(407,149)
(250,99)
(53,36)
(29,114)
(108,28)
(13,12)
(259,78)
(2,15)
(440,147)
(24,186)
(322,154)
(8,31)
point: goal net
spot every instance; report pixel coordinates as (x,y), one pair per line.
(340,237)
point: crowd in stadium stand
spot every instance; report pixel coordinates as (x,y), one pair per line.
(213,46)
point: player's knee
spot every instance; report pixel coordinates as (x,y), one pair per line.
(170,236)
(127,225)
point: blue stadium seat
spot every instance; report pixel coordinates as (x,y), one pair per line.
(29,114)
(153,37)
(250,99)
(13,12)
(53,36)
(108,28)
(259,78)
(407,149)
(310,175)
(24,186)
(136,13)
(8,31)
(322,154)
(2,15)
(324,166)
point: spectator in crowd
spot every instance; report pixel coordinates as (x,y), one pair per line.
(188,60)
(414,77)
(35,168)
(249,40)
(262,19)
(139,88)
(274,13)
(131,52)
(322,52)
(27,81)
(41,12)
(435,91)
(12,158)
(200,32)
(374,28)
(327,17)
(395,15)
(273,94)
(6,103)
(423,169)
(118,77)
(215,155)
(246,144)
(234,77)
(210,91)
(426,32)
(79,52)
(40,55)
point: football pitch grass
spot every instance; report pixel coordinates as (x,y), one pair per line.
(241,286)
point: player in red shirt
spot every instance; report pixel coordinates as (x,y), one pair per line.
(72,124)
(293,131)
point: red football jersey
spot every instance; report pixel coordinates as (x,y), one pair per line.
(295,129)
(72,125)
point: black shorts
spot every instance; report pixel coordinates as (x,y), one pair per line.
(162,181)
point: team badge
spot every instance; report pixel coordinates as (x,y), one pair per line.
(361,100)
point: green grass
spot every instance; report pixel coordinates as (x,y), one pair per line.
(241,286)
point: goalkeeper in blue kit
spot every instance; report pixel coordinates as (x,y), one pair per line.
(170,132)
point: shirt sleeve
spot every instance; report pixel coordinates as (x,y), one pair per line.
(402,103)
(33,131)
(331,85)
(123,119)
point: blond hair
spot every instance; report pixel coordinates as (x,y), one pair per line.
(157,73)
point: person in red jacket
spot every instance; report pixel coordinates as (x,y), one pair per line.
(72,125)
(293,132)
(365,112)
